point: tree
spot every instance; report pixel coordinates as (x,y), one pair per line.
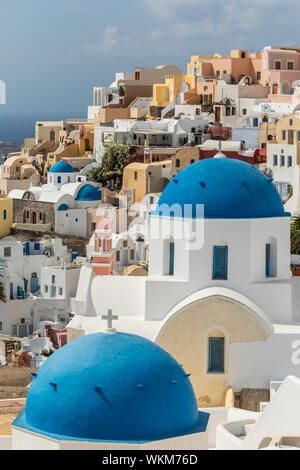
(2,292)
(114,160)
(295,236)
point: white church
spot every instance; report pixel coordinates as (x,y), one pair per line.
(219,296)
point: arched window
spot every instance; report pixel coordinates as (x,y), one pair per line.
(271,257)
(220,262)
(216,353)
(275,89)
(285,88)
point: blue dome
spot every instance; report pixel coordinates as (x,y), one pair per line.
(111,387)
(61,167)
(228,189)
(89,193)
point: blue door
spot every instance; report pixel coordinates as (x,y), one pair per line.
(34,285)
(220,263)
(26,249)
(172,253)
(268,259)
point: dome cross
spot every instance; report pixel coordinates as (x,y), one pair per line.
(110,317)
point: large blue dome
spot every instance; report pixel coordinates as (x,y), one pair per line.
(62,167)
(89,193)
(228,189)
(111,387)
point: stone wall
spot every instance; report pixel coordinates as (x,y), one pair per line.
(44,208)
(250,398)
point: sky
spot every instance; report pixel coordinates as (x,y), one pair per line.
(52,52)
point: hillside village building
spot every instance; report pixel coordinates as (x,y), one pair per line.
(62,205)
(17,173)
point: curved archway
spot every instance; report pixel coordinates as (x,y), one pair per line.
(211,313)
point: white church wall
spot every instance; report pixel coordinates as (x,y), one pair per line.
(72,221)
(254,365)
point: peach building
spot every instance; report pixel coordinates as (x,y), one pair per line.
(237,65)
(18,173)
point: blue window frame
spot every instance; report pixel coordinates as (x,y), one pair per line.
(220,262)
(275,160)
(5,214)
(281,160)
(37,247)
(172,253)
(59,179)
(216,356)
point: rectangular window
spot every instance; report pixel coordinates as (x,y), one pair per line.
(220,263)
(255,122)
(291,122)
(244,112)
(135,175)
(5,214)
(1,326)
(290,161)
(7,252)
(216,355)
(282,160)
(125,244)
(60,291)
(37,247)
(46,289)
(283,135)
(277,64)
(53,279)
(298,136)
(290,65)
(117,256)
(268,259)
(171,260)
(258,75)
(131,255)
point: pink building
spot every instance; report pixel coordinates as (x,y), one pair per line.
(280,70)
(102,261)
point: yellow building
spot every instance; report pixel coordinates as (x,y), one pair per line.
(198,65)
(288,130)
(145,178)
(6,216)
(166,93)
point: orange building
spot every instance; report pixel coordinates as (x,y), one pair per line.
(102,260)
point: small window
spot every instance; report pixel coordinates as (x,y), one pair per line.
(298,136)
(277,64)
(283,135)
(290,161)
(135,175)
(216,355)
(275,160)
(243,55)
(60,291)
(220,263)
(258,75)
(290,65)
(177,163)
(244,112)
(125,244)
(117,256)
(37,247)
(59,179)
(5,214)
(23,321)
(132,255)
(7,252)
(46,289)
(282,160)
(233,111)
(291,122)
(53,279)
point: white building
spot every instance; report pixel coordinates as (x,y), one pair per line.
(64,203)
(222,301)
(152,133)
